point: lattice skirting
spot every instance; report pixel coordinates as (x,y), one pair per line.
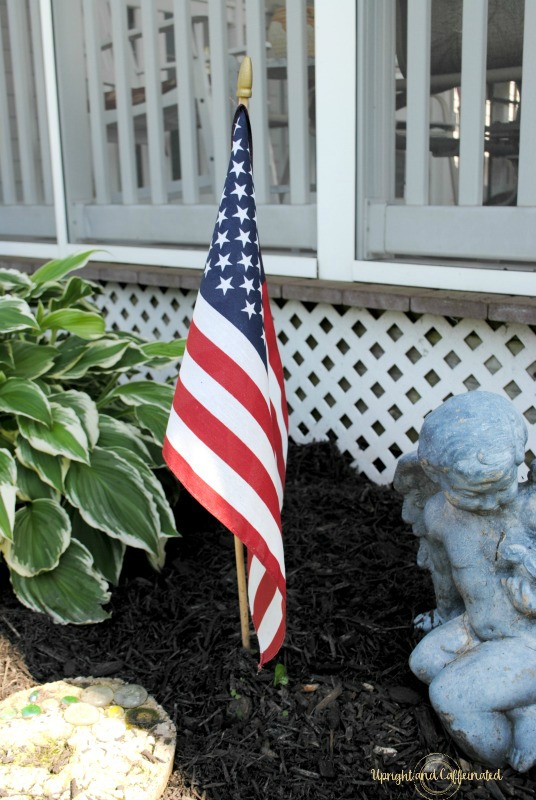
(365,379)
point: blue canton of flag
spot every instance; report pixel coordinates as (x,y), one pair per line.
(234,272)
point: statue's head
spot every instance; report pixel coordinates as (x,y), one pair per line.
(472,446)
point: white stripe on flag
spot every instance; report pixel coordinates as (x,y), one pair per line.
(255,576)
(227,483)
(229,411)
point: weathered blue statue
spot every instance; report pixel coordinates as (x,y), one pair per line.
(477,529)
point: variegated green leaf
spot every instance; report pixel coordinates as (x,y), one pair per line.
(157,562)
(8,480)
(138,393)
(84,408)
(65,437)
(85,324)
(25,398)
(154,420)
(68,352)
(155,450)
(31,487)
(75,290)
(107,553)
(41,533)
(54,270)
(13,279)
(114,433)
(29,360)
(15,315)
(110,495)
(6,355)
(74,592)
(165,514)
(8,467)
(130,359)
(101,354)
(168,350)
(50,469)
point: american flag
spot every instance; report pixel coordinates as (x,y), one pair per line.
(227,435)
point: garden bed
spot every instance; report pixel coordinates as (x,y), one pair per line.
(350,705)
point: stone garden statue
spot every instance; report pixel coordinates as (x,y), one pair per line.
(477,529)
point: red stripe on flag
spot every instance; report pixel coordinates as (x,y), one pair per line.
(272,347)
(224,512)
(277,369)
(229,447)
(263,597)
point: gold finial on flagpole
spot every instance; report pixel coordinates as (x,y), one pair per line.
(244,82)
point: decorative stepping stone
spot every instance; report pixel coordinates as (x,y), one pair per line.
(98,751)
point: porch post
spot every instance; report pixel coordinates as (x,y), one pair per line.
(335,53)
(53,114)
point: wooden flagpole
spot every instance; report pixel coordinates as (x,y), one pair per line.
(243,93)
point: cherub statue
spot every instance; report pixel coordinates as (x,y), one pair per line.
(479,526)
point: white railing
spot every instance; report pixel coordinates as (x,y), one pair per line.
(146,94)
(483,71)
(26,179)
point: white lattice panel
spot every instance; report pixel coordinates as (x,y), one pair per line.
(365,379)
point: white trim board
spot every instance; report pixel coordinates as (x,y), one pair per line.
(458,278)
(274,264)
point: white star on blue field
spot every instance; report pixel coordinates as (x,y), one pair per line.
(233,273)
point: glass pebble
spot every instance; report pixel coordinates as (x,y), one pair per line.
(69,699)
(130,695)
(34,696)
(8,713)
(98,696)
(81,714)
(31,711)
(115,712)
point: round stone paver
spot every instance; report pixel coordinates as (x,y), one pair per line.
(76,749)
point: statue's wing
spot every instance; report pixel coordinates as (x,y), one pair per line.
(410,478)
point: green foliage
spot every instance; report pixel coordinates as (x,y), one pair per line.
(79,443)
(280,675)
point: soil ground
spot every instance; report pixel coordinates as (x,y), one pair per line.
(351,704)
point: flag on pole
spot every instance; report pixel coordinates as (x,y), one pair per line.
(227,435)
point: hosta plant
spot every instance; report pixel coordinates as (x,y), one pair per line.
(81,432)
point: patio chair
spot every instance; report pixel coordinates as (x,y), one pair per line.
(504,64)
(504,52)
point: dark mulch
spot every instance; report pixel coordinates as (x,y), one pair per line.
(350,706)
